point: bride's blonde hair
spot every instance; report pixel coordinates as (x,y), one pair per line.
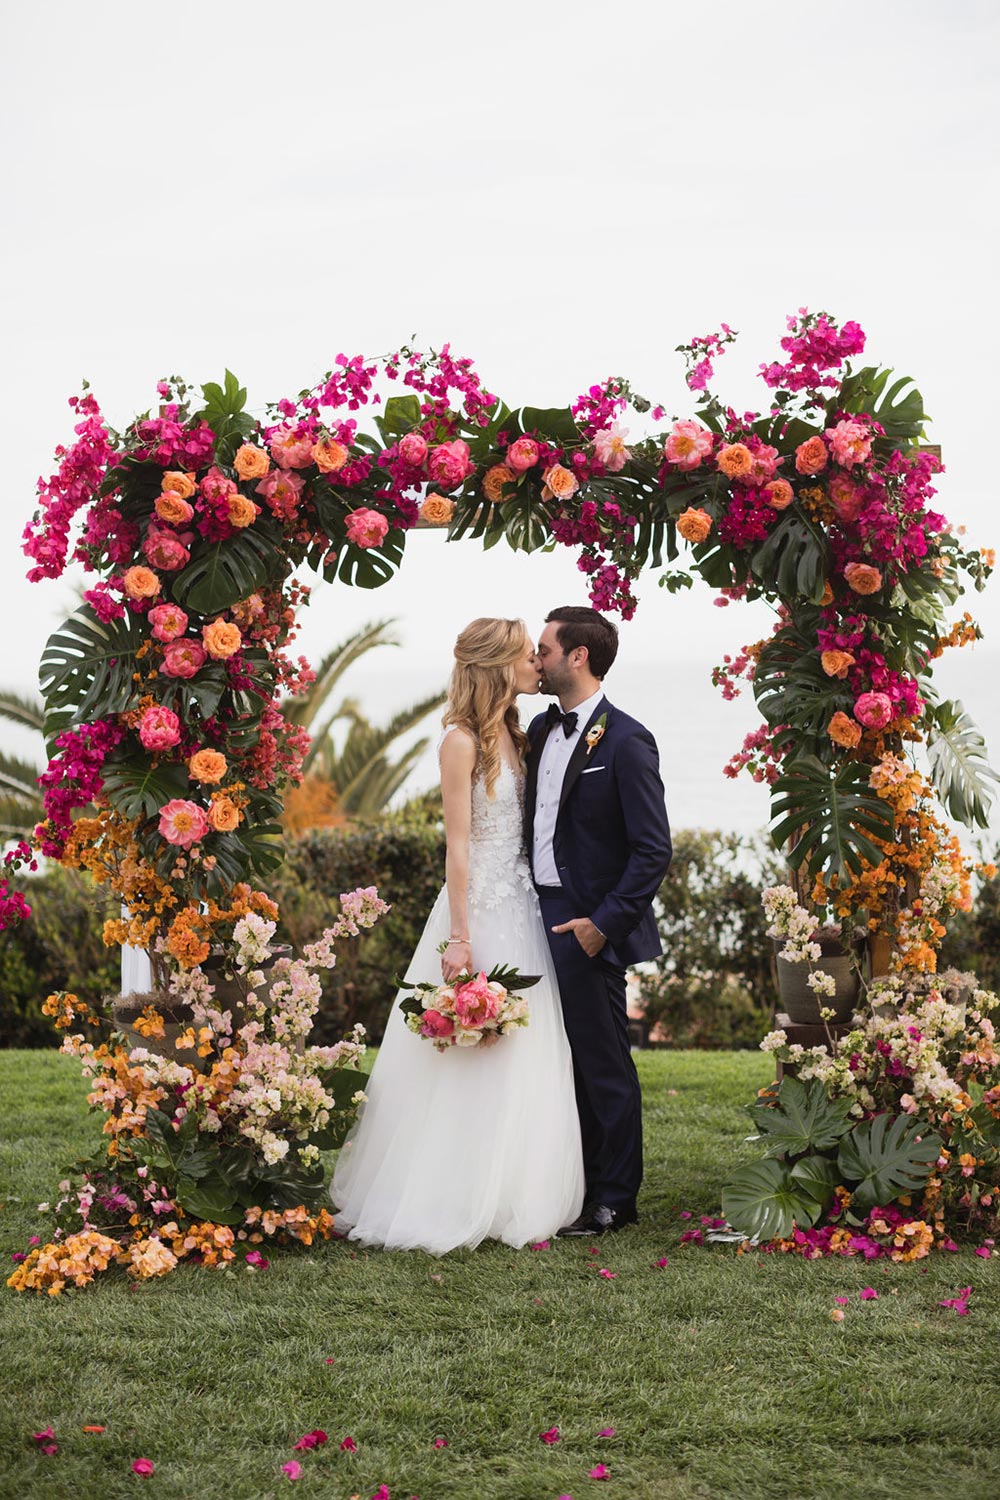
(481,690)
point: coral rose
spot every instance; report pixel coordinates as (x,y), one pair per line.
(827,595)
(222,638)
(811,456)
(216,485)
(437,510)
(449,464)
(242,511)
(522,454)
(494,480)
(291,448)
(223,814)
(845,497)
(182,822)
(836,663)
(413,449)
(282,490)
(165,550)
(873,709)
(778,494)
(693,524)
(558,483)
(329,456)
(764,463)
(168,621)
(251,462)
(183,658)
(159,728)
(843,730)
(477,1001)
(735,460)
(207,766)
(434,1024)
(141,583)
(366,528)
(863,578)
(687,445)
(176,483)
(171,508)
(850,443)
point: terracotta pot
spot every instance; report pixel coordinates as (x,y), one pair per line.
(797,1000)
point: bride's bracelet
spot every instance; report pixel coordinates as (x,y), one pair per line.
(455,940)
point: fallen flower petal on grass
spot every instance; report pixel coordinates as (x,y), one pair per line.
(868,1294)
(440,1442)
(692,1237)
(382,1493)
(256,1261)
(144,1467)
(348,1445)
(959,1303)
(983,1251)
(599,1471)
(606,1432)
(314,1439)
(837,1314)
(552,1436)
(293,1469)
(608,1275)
(661,1262)
(686,1213)
(842,1301)
(539,1245)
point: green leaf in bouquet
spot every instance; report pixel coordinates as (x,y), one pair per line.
(138,789)
(214,1202)
(827,817)
(525,522)
(87,666)
(763,1201)
(887,1157)
(371,567)
(960,770)
(817,1177)
(221,573)
(804,1119)
(793,560)
(400,415)
(898,409)
(556,423)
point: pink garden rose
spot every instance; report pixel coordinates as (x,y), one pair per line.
(159,728)
(610,449)
(282,489)
(434,1024)
(687,445)
(366,528)
(217,486)
(183,658)
(850,443)
(182,822)
(449,464)
(165,550)
(874,710)
(522,454)
(476,1002)
(845,497)
(168,621)
(765,465)
(291,448)
(413,449)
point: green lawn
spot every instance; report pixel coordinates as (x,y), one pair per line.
(722,1375)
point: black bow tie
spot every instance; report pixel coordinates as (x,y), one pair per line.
(556,716)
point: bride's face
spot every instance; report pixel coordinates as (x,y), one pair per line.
(526,674)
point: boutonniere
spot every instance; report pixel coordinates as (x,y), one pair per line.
(595,733)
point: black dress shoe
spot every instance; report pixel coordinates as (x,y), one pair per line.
(597,1219)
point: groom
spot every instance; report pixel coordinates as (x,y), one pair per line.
(599,844)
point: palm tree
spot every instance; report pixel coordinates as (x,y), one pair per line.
(20,796)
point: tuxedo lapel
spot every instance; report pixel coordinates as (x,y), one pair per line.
(578,759)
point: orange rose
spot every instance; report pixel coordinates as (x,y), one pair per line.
(223,814)
(827,595)
(437,510)
(843,730)
(173,509)
(558,483)
(329,455)
(141,583)
(241,510)
(251,462)
(779,494)
(221,638)
(735,460)
(494,480)
(863,578)
(811,456)
(176,483)
(836,663)
(207,765)
(694,525)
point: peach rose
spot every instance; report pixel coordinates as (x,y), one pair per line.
(494,480)
(223,814)
(437,510)
(863,578)
(170,507)
(836,663)
(521,454)
(222,638)
(141,583)
(291,448)
(827,595)
(329,456)
(694,525)
(735,460)
(241,511)
(779,494)
(558,483)
(843,730)
(208,765)
(811,456)
(251,462)
(176,483)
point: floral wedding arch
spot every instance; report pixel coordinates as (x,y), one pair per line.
(164,691)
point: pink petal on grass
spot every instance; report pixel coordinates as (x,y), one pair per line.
(685,1213)
(440,1442)
(382,1493)
(661,1263)
(606,1432)
(599,1471)
(983,1251)
(539,1245)
(348,1445)
(314,1439)
(45,1436)
(293,1469)
(608,1275)
(842,1301)
(144,1467)
(256,1261)
(552,1436)
(868,1294)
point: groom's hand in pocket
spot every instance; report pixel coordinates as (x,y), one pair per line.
(590,938)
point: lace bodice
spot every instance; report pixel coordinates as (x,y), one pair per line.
(498,866)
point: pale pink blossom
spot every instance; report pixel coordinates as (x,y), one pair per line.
(610,449)
(366,528)
(687,444)
(850,443)
(182,822)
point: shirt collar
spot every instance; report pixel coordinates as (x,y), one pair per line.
(585,709)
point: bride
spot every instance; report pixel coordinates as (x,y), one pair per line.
(471,1143)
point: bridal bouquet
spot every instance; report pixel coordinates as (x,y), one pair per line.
(475,1010)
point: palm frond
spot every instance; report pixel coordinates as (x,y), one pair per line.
(307,706)
(22,710)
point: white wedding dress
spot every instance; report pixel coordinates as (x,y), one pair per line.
(471,1143)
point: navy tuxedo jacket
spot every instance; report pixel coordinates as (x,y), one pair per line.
(612,840)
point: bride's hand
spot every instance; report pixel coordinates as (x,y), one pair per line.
(456,959)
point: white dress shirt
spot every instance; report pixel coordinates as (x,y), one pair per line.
(551,773)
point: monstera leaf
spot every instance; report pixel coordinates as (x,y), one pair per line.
(86,668)
(764,1201)
(138,789)
(899,410)
(370,567)
(792,689)
(959,768)
(885,1157)
(829,815)
(554,422)
(804,1119)
(793,560)
(524,522)
(224,413)
(224,572)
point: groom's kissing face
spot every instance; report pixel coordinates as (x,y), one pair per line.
(555,674)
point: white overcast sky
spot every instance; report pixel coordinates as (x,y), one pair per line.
(562,190)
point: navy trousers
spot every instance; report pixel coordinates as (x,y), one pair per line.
(608,1097)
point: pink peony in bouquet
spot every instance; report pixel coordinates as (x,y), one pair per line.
(475,1010)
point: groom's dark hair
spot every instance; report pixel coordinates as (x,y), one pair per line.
(578,626)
